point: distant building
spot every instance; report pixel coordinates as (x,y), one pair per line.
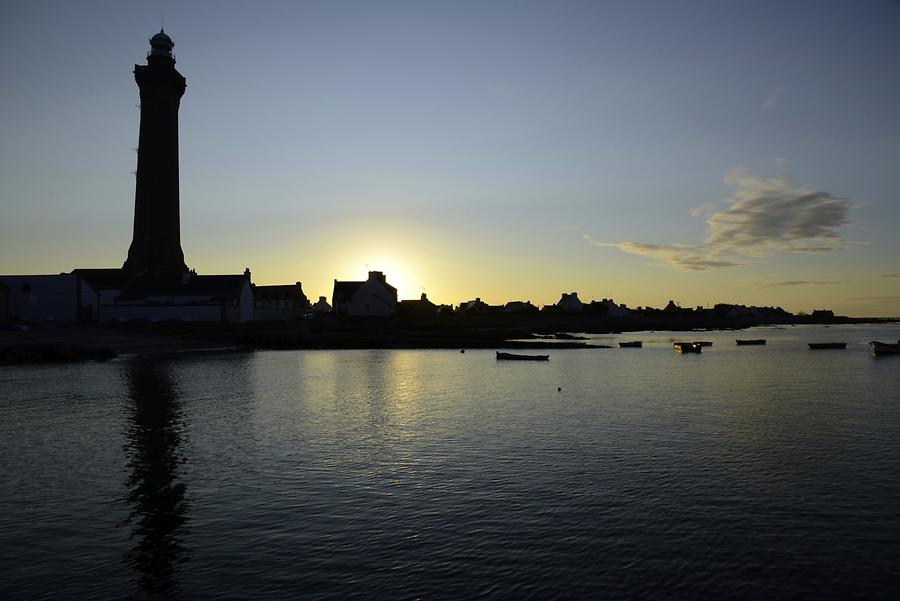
(422,306)
(671,307)
(823,313)
(473,307)
(321,306)
(570,303)
(374,297)
(614,310)
(280,302)
(519,307)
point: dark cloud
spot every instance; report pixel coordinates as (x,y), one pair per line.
(766,212)
(765,215)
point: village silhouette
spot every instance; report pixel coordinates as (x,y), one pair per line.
(155,285)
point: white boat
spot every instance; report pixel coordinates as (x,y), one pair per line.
(687,347)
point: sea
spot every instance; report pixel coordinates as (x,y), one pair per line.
(743,472)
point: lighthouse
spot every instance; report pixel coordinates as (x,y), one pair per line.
(156,242)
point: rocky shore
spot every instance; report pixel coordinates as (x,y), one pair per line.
(53,353)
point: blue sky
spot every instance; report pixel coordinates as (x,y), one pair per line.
(508,150)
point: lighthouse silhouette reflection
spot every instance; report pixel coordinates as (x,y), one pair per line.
(156,491)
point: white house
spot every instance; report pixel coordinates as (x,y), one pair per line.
(374,297)
(99,287)
(283,302)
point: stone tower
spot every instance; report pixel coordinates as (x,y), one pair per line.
(156,243)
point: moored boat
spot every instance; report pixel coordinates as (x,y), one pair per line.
(517,357)
(818,346)
(884,348)
(746,342)
(633,344)
(704,343)
(687,347)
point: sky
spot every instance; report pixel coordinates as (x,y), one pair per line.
(705,152)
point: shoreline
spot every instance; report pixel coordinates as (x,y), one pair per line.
(55,343)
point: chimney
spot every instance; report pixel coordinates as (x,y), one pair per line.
(247,273)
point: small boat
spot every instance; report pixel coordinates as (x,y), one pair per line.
(884,348)
(818,346)
(703,343)
(755,342)
(564,336)
(687,347)
(634,344)
(515,357)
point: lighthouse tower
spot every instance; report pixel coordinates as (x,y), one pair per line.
(156,242)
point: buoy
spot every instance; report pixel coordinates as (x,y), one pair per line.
(559,389)
(462,350)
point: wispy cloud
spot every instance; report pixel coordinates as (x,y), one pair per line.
(891,275)
(770,101)
(764,215)
(875,299)
(683,256)
(791,283)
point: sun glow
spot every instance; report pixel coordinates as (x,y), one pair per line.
(397,273)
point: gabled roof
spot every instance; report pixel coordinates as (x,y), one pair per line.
(417,303)
(216,287)
(344,291)
(104,279)
(279,292)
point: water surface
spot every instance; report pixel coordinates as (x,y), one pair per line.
(744,472)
